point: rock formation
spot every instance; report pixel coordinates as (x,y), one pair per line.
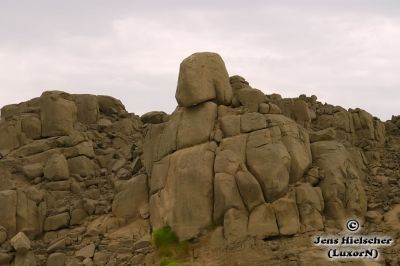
(84,182)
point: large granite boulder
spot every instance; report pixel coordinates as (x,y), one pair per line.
(203,77)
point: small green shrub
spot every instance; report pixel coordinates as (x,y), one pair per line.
(165,237)
(169,262)
(168,246)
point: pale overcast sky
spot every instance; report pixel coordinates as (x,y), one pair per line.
(346,52)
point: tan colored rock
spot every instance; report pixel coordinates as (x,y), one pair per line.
(188,210)
(28,220)
(25,259)
(32,127)
(3,235)
(226,196)
(238,82)
(10,136)
(226,161)
(251,122)
(82,166)
(77,216)
(274,109)
(287,216)
(262,222)
(132,200)
(237,145)
(310,204)
(5,259)
(159,175)
(110,106)
(296,109)
(86,252)
(33,170)
(58,115)
(87,108)
(248,96)
(64,185)
(341,188)
(56,168)
(56,259)
(21,243)
(8,203)
(154,117)
(249,189)
(269,163)
(324,134)
(230,125)
(6,182)
(56,221)
(196,125)
(373,217)
(263,108)
(296,140)
(203,77)
(392,219)
(235,225)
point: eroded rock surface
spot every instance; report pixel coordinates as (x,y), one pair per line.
(84,182)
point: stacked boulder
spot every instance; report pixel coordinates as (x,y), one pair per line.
(228,157)
(61,156)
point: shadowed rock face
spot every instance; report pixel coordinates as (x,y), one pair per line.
(82,180)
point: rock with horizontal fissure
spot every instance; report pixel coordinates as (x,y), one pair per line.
(203,77)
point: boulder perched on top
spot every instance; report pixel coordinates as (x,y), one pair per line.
(203,77)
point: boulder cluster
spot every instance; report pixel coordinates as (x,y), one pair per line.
(255,164)
(84,182)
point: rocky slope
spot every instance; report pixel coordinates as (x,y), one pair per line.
(245,178)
